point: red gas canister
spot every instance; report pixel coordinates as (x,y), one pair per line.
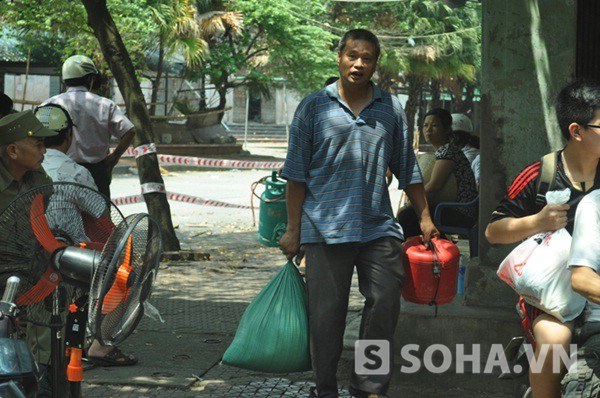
(431,275)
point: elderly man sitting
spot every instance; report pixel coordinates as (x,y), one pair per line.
(21,154)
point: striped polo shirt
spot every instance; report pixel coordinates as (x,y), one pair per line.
(343,160)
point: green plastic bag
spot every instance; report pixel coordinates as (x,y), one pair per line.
(272,335)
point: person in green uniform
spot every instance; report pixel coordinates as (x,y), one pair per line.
(21,154)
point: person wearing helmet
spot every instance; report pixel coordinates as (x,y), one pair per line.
(95,120)
(463,137)
(56,163)
(61,168)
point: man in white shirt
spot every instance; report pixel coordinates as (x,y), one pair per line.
(584,261)
(95,119)
(584,257)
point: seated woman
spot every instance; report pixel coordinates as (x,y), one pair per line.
(450,160)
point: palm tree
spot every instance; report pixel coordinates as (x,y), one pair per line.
(178,31)
(450,70)
(217,25)
(420,69)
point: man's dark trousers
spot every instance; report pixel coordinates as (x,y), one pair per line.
(102,177)
(329,270)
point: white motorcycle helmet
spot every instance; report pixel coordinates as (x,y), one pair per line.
(78,66)
(461,122)
(54,117)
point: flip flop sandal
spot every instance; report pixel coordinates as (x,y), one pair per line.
(114,357)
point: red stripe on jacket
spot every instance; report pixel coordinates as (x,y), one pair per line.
(523,179)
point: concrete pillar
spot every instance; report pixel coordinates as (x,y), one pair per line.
(267,110)
(528,54)
(239,105)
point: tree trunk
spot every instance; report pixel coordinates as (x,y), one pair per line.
(115,53)
(455,87)
(415,85)
(202,104)
(467,105)
(222,90)
(436,93)
(156,82)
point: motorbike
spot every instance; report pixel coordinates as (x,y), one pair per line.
(516,355)
(18,371)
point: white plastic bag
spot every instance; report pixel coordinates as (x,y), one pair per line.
(537,270)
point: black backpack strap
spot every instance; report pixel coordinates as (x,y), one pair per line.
(547,179)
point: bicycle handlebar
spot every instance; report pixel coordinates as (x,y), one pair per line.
(10,291)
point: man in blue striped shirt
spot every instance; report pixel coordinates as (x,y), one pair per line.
(342,140)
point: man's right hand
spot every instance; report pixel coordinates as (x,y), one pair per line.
(553,217)
(289,244)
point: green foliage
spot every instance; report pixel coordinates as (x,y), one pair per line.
(57,29)
(179,31)
(274,43)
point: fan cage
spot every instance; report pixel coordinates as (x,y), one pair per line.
(133,250)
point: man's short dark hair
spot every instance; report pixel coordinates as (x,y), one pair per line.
(6,105)
(360,34)
(576,103)
(56,140)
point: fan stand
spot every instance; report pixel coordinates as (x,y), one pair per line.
(56,350)
(74,342)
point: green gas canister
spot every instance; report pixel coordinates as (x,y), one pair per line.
(272,220)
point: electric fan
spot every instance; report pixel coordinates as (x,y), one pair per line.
(120,263)
(68,231)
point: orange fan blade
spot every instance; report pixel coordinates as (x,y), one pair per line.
(40,227)
(42,288)
(119,290)
(98,229)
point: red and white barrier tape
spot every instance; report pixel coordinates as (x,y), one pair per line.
(144,150)
(217,163)
(178,197)
(153,187)
(138,151)
(200,162)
